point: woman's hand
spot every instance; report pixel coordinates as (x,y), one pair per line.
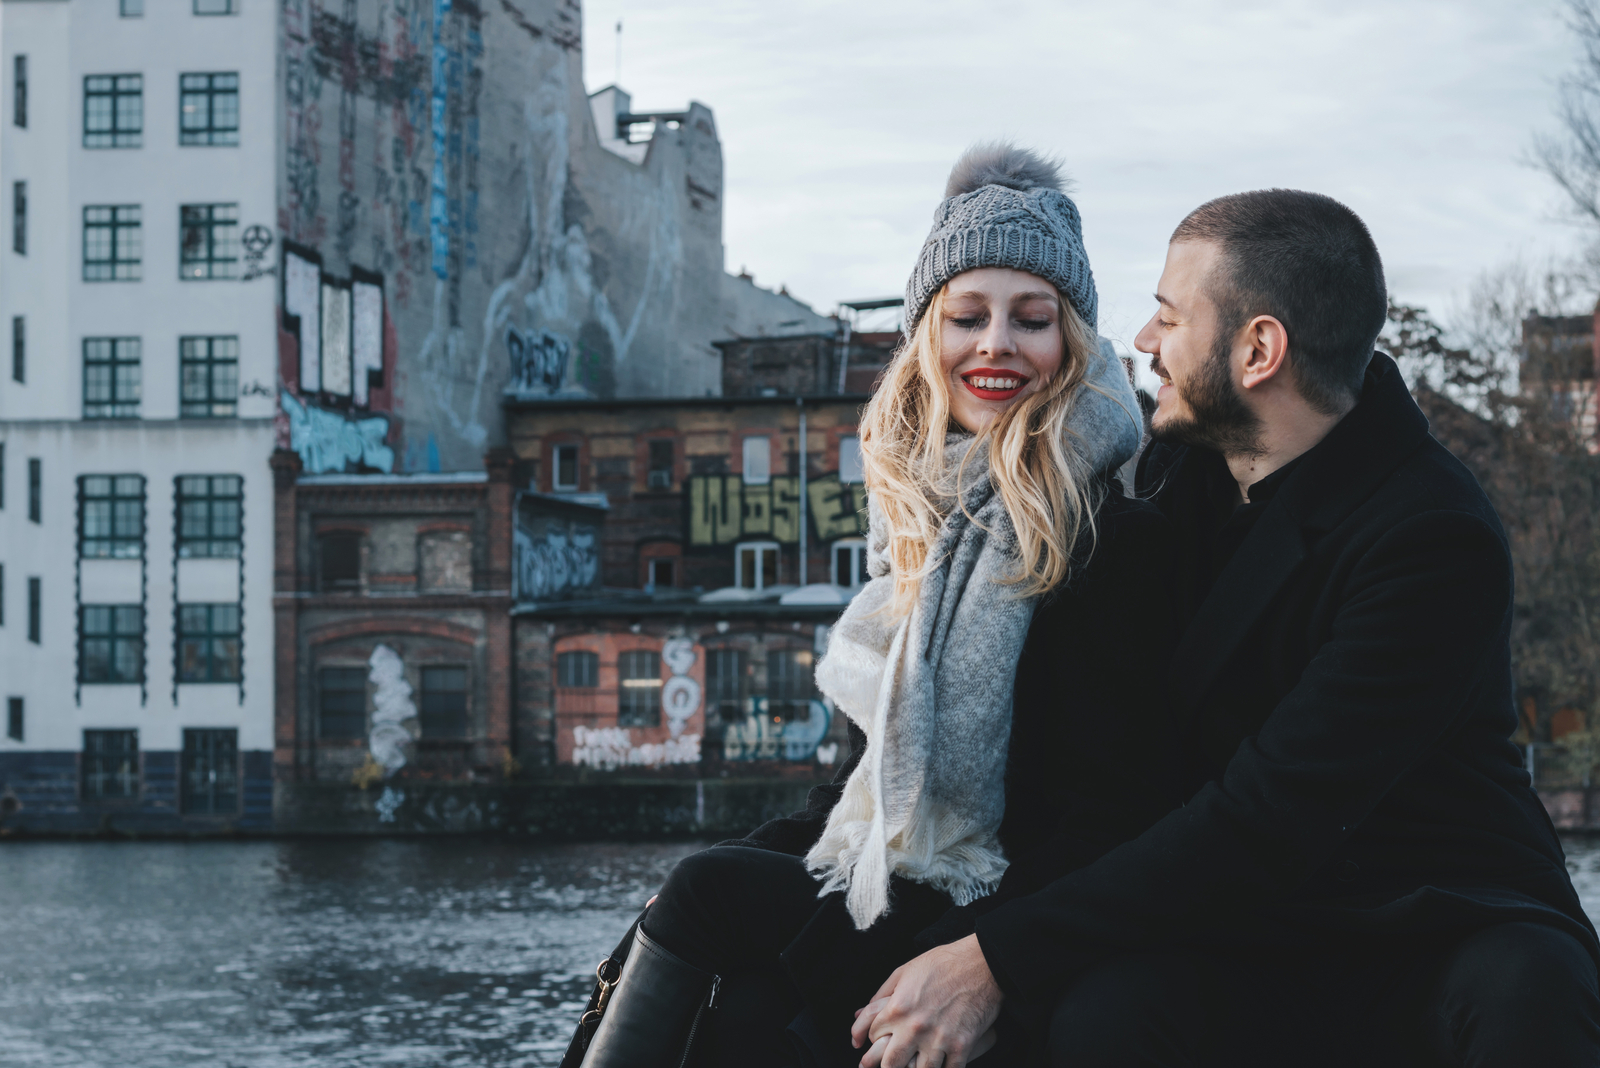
(938,1009)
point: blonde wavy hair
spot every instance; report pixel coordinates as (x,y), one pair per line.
(1047,488)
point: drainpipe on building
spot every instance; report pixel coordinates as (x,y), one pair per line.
(801,404)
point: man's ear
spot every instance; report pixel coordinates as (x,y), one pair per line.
(1268,352)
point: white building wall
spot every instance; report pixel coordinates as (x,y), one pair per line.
(65,40)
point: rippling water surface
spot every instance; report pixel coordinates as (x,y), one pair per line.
(325,954)
(279,954)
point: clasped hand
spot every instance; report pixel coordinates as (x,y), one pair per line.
(934,1011)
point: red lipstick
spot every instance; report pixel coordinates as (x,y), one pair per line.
(993,385)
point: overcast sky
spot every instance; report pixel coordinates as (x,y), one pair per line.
(840,119)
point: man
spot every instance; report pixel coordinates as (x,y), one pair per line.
(1361,873)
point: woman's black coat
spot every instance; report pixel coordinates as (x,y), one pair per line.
(1089,753)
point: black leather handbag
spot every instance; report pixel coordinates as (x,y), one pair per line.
(607,975)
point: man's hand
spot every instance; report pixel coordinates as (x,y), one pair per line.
(938,1008)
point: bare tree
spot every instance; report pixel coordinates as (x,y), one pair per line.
(1528,446)
(1573,159)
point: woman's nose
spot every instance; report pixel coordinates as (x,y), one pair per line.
(996,340)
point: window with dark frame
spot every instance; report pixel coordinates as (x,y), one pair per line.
(564,472)
(341,703)
(110,765)
(208,515)
(850,562)
(444,702)
(216,7)
(112,378)
(659,572)
(19,218)
(727,685)
(208,241)
(660,474)
(110,643)
(756,565)
(19,349)
(790,684)
(341,561)
(19,91)
(35,490)
(639,702)
(208,109)
(34,606)
(578,669)
(113,243)
(14,719)
(111,524)
(208,643)
(113,110)
(209,772)
(209,369)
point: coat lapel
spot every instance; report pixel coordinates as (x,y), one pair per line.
(1265,560)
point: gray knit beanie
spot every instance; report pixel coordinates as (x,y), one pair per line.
(1004,207)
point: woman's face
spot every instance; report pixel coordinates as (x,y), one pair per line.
(1000,339)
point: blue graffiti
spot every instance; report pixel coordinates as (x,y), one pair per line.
(538,360)
(328,442)
(439,203)
(759,737)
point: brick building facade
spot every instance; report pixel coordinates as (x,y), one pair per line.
(675,625)
(391,604)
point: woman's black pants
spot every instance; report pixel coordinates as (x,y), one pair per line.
(734,910)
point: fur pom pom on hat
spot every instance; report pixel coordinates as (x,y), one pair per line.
(1005,206)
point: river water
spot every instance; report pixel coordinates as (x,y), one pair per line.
(323,954)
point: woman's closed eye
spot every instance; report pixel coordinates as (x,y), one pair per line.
(1035,325)
(971,322)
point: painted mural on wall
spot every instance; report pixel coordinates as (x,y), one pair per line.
(391,707)
(761,736)
(444,145)
(329,441)
(555,549)
(338,328)
(538,362)
(723,509)
(610,748)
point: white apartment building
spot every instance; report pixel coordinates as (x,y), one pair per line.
(138,373)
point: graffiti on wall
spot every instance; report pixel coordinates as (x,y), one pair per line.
(761,736)
(555,547)
(338,323)
(609,748)
(328,442)
(723,509)
(556,564)
(680,696)
(538,361)
(391,706)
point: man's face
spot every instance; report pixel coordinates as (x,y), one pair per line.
(1199,402)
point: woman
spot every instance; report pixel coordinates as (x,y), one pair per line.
(1009,572)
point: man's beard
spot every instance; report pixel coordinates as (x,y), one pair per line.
(1218,417)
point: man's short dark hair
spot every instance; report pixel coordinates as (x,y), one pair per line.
(1308,261)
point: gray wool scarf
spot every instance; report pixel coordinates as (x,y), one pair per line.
(932,690)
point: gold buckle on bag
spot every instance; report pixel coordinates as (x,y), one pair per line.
(592,1017)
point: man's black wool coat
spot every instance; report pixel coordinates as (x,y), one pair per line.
(1343,702)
